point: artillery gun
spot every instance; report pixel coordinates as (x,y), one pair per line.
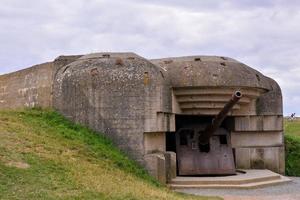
(205,149)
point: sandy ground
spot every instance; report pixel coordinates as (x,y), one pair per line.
(287,191)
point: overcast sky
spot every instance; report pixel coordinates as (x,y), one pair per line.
(264,34)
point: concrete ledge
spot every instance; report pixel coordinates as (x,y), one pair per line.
(256,139)
(251,179)
(259,123)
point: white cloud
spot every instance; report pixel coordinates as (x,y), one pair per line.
(263,34)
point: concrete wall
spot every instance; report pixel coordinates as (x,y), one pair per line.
(258,142)
(261,158)
(30,87)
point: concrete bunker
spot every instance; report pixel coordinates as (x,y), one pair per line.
(154,109)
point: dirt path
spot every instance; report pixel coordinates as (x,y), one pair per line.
(288,191)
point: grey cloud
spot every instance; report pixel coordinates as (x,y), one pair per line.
(219,5)
(262,34)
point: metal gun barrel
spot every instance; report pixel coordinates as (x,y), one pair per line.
(217,121)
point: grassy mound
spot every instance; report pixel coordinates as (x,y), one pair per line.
(44,156)
(292,147)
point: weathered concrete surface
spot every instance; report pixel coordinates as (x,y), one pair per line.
(30,87)
(154,142)
(171,166)
(259,123)
(256,139)
(119,94)
(261,158)
(156,165)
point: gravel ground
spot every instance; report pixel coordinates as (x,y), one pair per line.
(287,191)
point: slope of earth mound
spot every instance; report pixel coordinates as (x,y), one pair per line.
(45,156)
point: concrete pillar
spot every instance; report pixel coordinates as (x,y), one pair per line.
(171,169)
(156,166)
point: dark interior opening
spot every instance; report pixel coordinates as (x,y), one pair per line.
(183,121)
(204,147)
(223,139)
(189,120)
(183,139)
(170,141)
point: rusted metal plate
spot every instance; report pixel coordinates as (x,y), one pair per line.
(215,159)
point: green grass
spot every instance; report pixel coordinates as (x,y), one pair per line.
(292,127)
(292,147)
(45,156)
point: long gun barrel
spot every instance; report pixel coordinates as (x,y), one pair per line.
(217,121)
